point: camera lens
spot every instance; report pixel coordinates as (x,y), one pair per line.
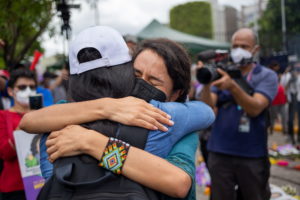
(207,74)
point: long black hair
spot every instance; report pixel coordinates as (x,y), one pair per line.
(115,82)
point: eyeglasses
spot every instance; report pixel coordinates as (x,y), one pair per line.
(23,87)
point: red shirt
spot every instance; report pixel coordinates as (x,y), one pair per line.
(280,97)
(10,177)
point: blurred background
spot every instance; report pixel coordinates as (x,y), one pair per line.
(47,26)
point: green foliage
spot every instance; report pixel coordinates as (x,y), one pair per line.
(194,18)
(21,23)
(271,25)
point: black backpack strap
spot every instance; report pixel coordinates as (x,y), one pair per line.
(133,135)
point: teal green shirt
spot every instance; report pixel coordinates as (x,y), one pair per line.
(183,156)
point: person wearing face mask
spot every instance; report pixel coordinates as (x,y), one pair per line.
(21,85)
(291,82)
(238,155)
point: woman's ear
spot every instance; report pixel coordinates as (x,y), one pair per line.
(175,95)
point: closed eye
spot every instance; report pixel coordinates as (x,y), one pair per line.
(137,73)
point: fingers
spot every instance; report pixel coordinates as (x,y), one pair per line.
(161,119)
(51,150)
(50,142)
(145,124)
(217,82)
(159,111)
(155,123)
(53,134)
(221,71)
(152,121)
(53,156)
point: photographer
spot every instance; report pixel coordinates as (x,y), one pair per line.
(237,146)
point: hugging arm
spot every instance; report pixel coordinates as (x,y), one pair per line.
(128,111)
(140,166)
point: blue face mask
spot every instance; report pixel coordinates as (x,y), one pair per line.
(144,90)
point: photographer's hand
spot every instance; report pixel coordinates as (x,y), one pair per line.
(225,82)
(252,105)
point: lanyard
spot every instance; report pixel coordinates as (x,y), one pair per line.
(249,76)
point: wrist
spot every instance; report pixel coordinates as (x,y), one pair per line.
(114,156)
(94,144)
(233,86)
(104,108)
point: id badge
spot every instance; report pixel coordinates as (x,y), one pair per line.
(244,126)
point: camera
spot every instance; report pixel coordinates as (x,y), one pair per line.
(36,102)
(214,59)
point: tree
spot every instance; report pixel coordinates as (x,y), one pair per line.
(194,18)
(270,32)
(22,22)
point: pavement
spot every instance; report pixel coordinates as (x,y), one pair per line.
(280,176)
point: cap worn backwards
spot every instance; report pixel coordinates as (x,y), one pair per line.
(107,41)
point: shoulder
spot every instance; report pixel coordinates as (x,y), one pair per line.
(176,105)
(5,112)
(6,115)
(186,145)
(264,72)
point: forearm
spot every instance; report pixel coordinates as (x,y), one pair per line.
(58,116)
(141,166)
(252,105)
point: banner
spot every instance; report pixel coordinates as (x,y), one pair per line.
(28,151)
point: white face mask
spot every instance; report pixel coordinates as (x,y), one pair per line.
(238,54)
(22,96)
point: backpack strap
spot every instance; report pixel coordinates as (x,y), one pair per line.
(133,135)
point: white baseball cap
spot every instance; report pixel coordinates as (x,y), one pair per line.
(107,41)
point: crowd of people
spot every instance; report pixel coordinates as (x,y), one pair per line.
(127,126)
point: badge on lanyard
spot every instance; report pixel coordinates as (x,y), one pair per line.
(244,125)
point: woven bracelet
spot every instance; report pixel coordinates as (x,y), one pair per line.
(114,155)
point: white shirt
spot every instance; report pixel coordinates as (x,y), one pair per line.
(291,87)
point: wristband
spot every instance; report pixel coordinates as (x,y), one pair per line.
(114,155)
